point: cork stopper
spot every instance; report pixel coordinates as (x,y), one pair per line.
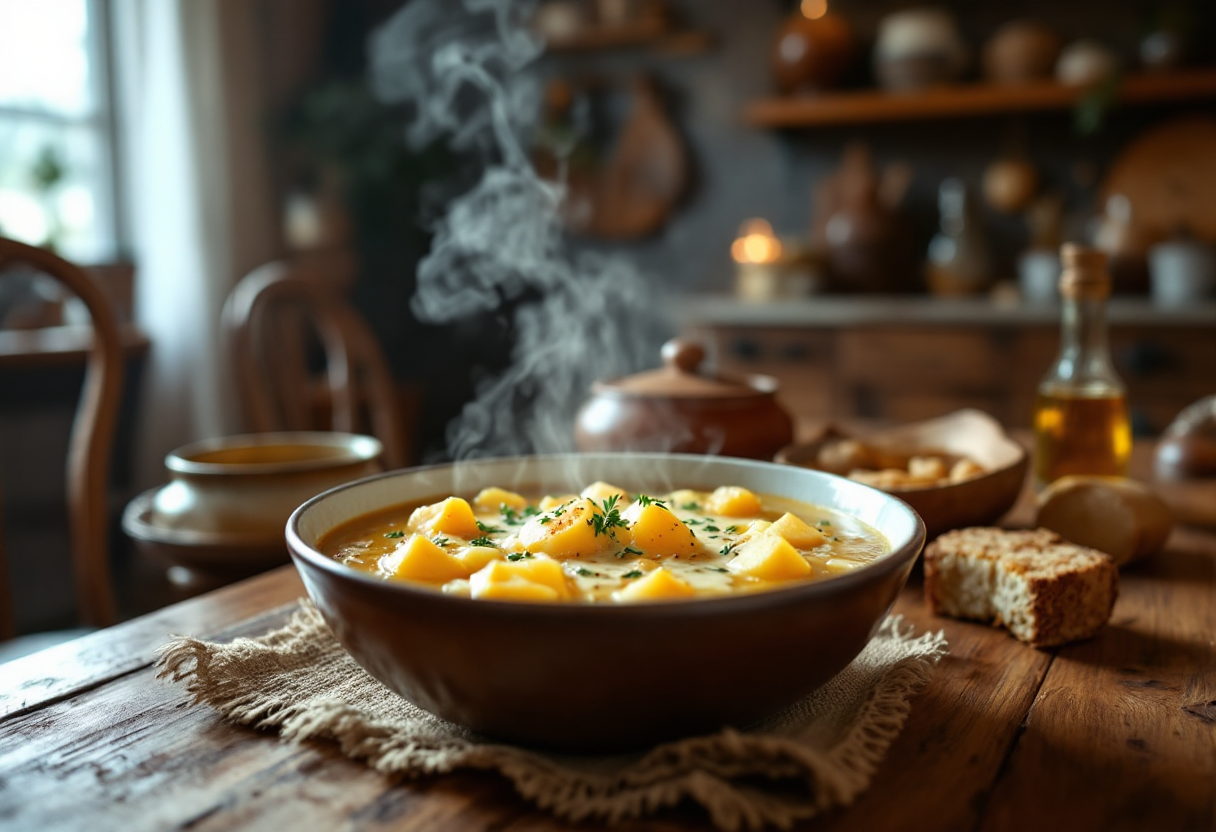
(1085,275)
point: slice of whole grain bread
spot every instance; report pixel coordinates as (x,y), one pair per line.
(1044,590)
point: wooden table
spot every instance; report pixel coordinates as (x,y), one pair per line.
(1114,733)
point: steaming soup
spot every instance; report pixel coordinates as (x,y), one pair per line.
(605,545)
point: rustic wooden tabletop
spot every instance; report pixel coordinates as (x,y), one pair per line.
(1118,732)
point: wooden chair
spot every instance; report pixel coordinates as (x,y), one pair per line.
(267,317)
(90,446)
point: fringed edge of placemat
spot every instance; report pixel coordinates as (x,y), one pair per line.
(661,778)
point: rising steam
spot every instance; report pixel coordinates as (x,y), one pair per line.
(460,67)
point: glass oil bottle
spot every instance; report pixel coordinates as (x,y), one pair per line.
(1080,417)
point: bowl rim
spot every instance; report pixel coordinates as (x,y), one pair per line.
(360,449)
(795,591)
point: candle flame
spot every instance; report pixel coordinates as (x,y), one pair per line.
(814,9)
(756,244)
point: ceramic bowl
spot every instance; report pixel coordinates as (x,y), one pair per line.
(979,501)
(221,515)
(592,677)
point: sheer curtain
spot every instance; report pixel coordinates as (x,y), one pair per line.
(198,198)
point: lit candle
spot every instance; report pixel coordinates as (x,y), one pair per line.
(756,252)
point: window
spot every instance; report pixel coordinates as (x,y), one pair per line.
(56,148)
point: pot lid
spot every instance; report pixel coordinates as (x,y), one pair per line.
(680,378)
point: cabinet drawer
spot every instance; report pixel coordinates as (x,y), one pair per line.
(959,362)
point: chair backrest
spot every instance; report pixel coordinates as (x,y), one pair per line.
(91,443)
(267,317)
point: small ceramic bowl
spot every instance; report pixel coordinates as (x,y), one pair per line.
(221,516)
(597,677)
(978,501)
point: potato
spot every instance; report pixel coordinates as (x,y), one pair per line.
(733,501)
(568,531)
(770,557)
(453,516)
(419,559)
(475,557)
(599,492)
(797,531)
(492,499)
(549,502)
(659,585)
(1121,517)
(529,579)
(657,531)
(496,582)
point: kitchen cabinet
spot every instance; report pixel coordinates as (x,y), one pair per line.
(908,359)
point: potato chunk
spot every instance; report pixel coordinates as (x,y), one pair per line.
(568,531)
(770,557)
(453,516)
(475,557)
(797,531)
(531,579)
(549,502)
(598,492)
(659,585)
(733,501)
(492,499)
(657,531)
(419,559)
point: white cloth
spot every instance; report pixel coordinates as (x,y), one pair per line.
(199,208)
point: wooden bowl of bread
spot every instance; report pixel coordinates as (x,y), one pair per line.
(958,470)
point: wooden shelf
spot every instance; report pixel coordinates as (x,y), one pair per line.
(966,101)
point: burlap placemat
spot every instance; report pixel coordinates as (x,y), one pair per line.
(821,752)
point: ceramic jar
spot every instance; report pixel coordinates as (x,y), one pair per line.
(681,409)
(918,48)
(1021,51)
(811,53)
(245,487)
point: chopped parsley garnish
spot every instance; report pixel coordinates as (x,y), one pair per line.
(725,550)
(603,523)
(514,556)
(647,500)
(482,527)
(587,573)
(440,541)
(629,550)
(712,528)
(482,541)
(394,534)
(690,506)
(634,573)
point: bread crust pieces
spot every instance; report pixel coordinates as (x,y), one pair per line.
(1044,590)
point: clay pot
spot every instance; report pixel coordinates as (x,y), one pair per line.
(679,409)
(1010,184)
(868,243)
(811,54)
(1021,51)
(918,48)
